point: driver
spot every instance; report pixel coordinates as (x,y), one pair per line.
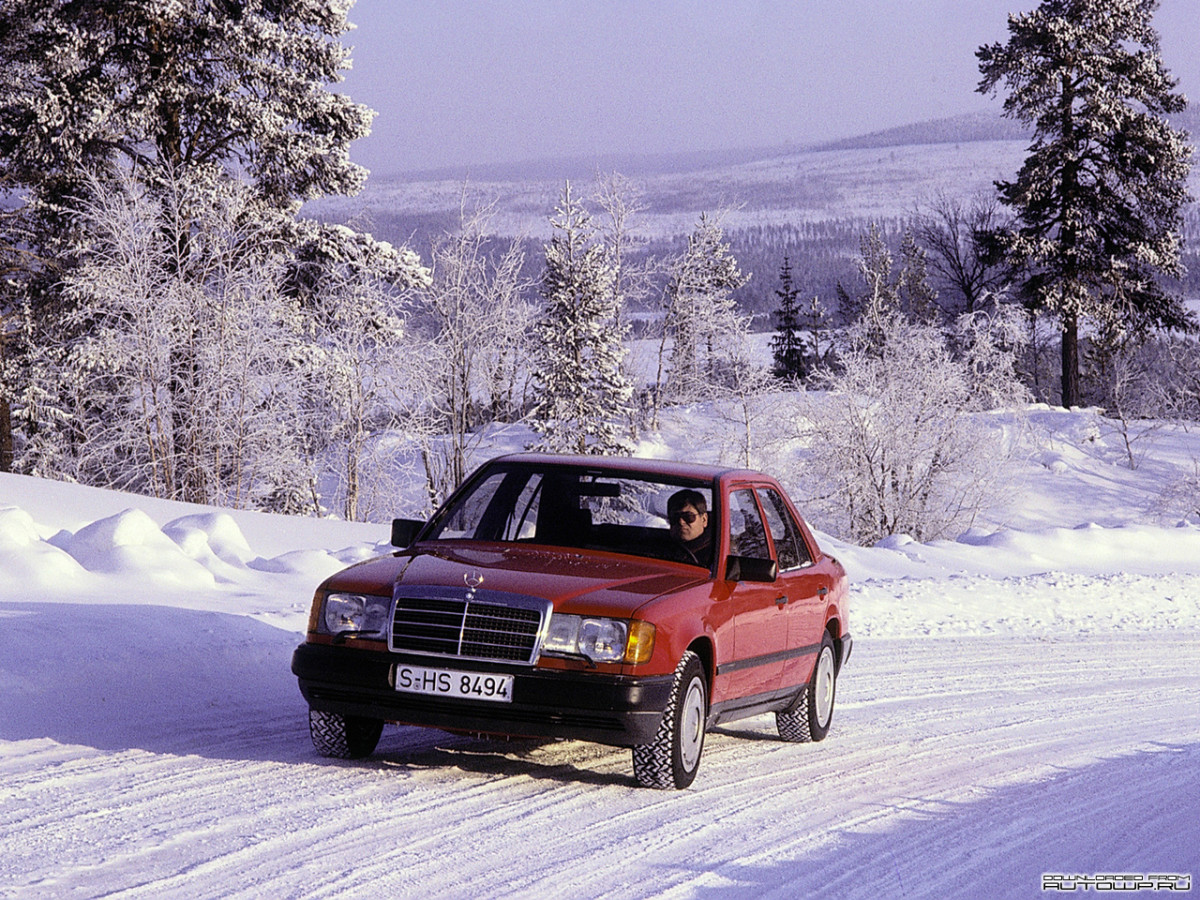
(687,514)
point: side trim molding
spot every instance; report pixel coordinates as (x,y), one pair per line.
(767,659)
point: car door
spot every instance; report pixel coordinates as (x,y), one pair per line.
(755,665)
(805,586)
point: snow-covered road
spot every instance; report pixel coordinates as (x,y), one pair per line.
(958,766)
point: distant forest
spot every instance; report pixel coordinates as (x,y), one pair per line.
(822,254)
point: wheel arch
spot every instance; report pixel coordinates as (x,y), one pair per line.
(833,626)
(702,646)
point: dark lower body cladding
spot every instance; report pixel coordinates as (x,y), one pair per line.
(608,709)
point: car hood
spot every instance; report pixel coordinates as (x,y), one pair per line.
(578,581)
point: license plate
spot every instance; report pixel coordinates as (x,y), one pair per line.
(454,683)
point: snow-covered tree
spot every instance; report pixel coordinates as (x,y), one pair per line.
(15,263)
(171,86)
(152,289)
(918,299)
(478,350)
(583,393)
(702,323)
(358,353)
(283,393)
(987,342)
(745,419)
(896,442)
(619,201)
(95,93)
(1097,201)
(886,292)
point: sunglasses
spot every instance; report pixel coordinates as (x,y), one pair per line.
(684,515)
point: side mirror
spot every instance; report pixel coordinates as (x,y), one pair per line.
(404,531)
(750,568)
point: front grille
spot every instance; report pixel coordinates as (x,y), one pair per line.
(473,629)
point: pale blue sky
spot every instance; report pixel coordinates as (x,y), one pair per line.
(462,82)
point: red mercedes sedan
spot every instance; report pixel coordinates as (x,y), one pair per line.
(630,602)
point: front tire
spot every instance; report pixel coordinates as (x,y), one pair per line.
(343,737)
(811,715)
(672,759)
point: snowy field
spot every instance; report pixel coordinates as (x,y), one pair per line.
(1022,701)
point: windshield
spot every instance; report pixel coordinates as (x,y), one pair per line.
(562,506)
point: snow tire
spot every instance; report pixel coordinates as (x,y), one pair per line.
(810,716)
(672,759)
(343,737)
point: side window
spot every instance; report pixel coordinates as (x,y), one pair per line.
(789,545)
(747,537)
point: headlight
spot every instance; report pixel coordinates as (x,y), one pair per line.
(599,640)
(356,613)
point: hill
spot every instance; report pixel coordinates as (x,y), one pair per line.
(881,175)
(811,203)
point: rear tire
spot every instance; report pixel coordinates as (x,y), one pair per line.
(811,715)
(343,737)
(672,759)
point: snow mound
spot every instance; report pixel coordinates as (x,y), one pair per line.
(219,531)
(318,564)
(30,564)
(130,543)
(213,540)
(1084,549)
(17,529)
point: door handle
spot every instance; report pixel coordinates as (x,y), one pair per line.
(781,600)
(822,591)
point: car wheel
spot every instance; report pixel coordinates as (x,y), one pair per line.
(343,737)
(810,716)
(672,758)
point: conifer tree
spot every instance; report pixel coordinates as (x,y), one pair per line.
(702,316)
(584,395)
(171,86)
(787,347)
(166,93)
(1097,201)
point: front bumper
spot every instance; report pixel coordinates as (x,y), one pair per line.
(608,709)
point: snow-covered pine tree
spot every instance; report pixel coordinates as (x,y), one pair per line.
(1098,199)
(702,318)
(787,346)
(170,86)
(583,393)
(167,91)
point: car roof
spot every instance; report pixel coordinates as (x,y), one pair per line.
(666,467)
